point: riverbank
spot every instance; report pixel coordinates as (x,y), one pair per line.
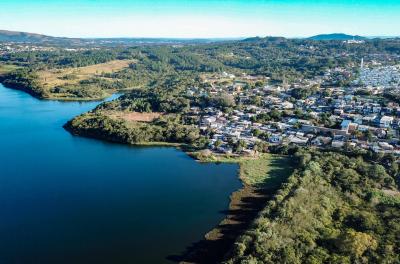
(98,202)
(40,95)
(88,83)
(261,177)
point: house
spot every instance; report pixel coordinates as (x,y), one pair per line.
(209,120)
(352,127)
(338,111)
(304,122)
(275,138)
(386,121)
(293,121)
(337,143)
(376,109)
(345,125)
(380,132)
(363,128)
(358,119)
(376,148)
(298,140)
(321,141)
(287,105)
(369,119)
(385,146)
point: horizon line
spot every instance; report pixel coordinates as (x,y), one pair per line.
(200,38)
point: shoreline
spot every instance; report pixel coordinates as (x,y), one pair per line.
(244,206)
(22,89)
(259,185)
(244,203)
(40,96)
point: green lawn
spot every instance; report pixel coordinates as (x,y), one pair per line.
(266,171)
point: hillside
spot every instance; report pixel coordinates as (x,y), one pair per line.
(336,36)
(25,37)
(15,36)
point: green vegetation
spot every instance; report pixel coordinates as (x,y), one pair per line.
(164,129)
(23,79)
(82,83)
(169,67)
(261,175)
(263,170)
(333,209)
(266,171)
(7,68)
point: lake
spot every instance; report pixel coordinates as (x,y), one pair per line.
(66,199)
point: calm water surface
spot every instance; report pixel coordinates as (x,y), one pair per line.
(66,199)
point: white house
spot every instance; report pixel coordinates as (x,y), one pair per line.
(337,143)
(386,121)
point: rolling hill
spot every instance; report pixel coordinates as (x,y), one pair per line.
(33,38)
(15,36)
(336,36)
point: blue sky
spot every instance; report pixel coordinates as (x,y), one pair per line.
(201,18)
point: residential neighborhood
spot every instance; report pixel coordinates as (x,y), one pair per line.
(307,112)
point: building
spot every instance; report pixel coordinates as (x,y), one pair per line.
(386,121)
(345,125)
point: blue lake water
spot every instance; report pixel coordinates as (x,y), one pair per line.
(72,200)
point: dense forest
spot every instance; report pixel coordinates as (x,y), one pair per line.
(335,208)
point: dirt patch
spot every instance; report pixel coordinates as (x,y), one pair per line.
(135,116)
(391,192)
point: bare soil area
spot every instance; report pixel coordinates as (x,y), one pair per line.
(134,116)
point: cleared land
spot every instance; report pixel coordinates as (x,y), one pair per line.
(133,116)
(267,171)
(261,171)
(6,68)
(69,76)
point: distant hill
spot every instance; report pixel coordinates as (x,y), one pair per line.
(264,39)
(336,36)
(33,38)
(25,37)
(252,39)
(15,36)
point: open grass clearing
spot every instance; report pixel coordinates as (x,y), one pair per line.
(6,68)
(266,171)
(133,116)
(69,76)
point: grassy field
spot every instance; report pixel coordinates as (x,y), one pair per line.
(6,68)
(68,76)
(266,170)
(132,116)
